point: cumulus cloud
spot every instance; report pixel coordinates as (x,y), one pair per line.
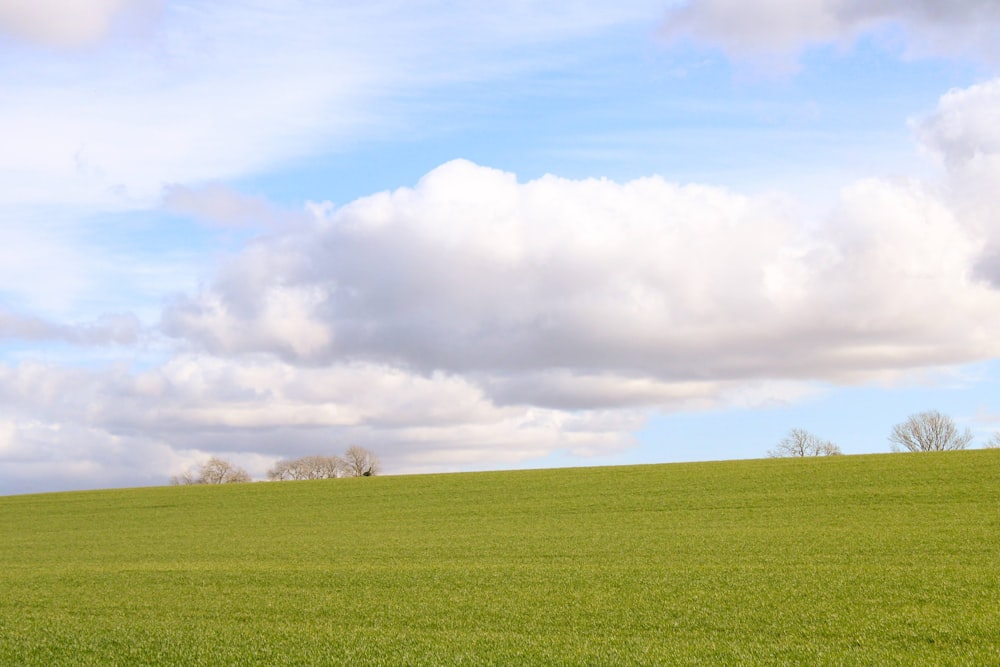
(964,134)
(648,283)
(774,32)
(965,128)
(64,24)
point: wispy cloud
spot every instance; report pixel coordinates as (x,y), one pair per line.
(218,205)
(121,329)
(227,89)
(773,33)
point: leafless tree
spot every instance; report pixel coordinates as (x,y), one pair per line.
(993,442)
(308,467)
(929,432)
(359,462)
(186,477)
(212,471)
(283,470)
(800,442)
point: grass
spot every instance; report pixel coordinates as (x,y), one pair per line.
(891,559)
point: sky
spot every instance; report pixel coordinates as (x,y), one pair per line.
(489,235)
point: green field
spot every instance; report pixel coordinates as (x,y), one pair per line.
(890,559)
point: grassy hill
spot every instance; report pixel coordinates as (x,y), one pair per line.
(890,559)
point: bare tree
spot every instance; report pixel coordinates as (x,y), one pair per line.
(827,448)
(212,471)
(359,462)
(308,467)
(187,477)
(800,442)
(929,432)
(282,471)
(993,442)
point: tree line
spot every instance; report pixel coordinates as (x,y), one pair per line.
(923,432)
(356,462)
(928,431)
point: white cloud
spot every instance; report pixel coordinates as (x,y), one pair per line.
(471,272)
(965,128)
(76,23)
(774,32)
(964,133)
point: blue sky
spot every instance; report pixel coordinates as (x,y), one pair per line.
(489,235)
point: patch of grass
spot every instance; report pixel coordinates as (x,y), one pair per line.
(891,559)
